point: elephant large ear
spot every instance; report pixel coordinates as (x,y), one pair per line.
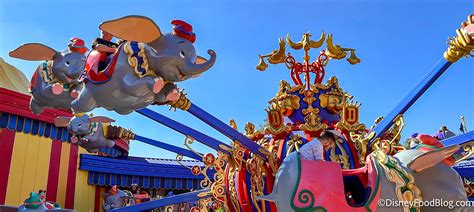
(101,119)
(61,121)
(431,158)
(132,28)
(33,51)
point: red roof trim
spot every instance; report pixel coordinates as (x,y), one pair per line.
(19,104)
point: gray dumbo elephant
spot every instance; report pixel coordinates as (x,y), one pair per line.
(116,198)
(167,58)
(55,83)
(384,184)
(87,132)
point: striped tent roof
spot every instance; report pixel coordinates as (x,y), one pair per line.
(13,79)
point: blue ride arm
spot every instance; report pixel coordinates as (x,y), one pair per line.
(459,139)
(169,147)
(201,137)
(227,130)
(460,46)
(410,99)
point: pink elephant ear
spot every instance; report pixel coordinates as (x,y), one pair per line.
(101,119)
(61,121)
(431,158)
(132,28)
(34,52)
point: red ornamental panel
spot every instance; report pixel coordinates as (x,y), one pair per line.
(351,114)
(275,119)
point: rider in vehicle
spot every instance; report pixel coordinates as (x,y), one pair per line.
(105,45)
(314,150)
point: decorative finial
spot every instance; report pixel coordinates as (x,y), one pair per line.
(333,51)
(233,124)
(462,44)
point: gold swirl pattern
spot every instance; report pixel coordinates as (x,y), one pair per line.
(133,61)
(237,155)
(232,190)
(342,158)
(390,141)
(405,187)
(294,143)
(360,141)
(468,151)
(218,187)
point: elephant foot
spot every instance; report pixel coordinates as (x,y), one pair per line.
(158,85)
(57,88)
(35,107)
(173,96)
(74,139)
(74,94)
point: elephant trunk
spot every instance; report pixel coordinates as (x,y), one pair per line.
(71,129)
(76,73)
(194,69)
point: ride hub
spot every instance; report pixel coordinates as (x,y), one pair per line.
(236,106)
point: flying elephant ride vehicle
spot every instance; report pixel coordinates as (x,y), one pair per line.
(143,68)
(56,82)
(312,155)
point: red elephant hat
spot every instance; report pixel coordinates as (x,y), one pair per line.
(184,30)
(77,45)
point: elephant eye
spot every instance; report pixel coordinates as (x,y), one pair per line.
(80,125)
(67,63)
(181,54)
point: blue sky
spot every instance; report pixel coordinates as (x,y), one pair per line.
(398,42)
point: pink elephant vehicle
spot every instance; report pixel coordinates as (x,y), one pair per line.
(412,176)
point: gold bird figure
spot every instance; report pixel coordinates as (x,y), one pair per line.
(295,46)
(306,43)
(334,51)
(278,56)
